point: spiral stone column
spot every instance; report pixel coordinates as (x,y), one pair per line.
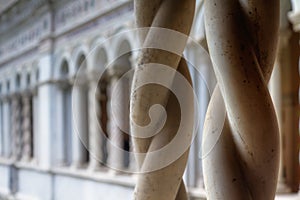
(166,182)
(242,162)
(16,127)
(27,139)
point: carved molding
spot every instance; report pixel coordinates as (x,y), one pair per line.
(78,12)
(19,12)
(26,39)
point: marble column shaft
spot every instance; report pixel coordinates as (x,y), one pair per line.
(7,148)
(95,135)
(16,127)
(79,137)
(115,143)
(27,128)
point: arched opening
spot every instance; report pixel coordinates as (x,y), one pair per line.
(37,75)
(118,108)
(81,111)
(1,124)
(66,114)
(35,114)
(28,80)
(28,123)
(18,118)
(7,126)
(101,101)
(18,81)
(7,87)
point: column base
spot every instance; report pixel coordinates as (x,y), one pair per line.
(76,165)
(113,172)
(25,159)
(94,166)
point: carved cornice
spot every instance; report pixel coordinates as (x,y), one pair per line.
(19,12)
(77,13)
(26,39)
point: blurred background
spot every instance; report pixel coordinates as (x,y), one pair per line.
(43,44)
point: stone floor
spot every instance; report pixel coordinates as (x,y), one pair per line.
(288,197)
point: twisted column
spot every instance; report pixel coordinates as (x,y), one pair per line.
(243,162)
(27,139)
(166,182)
(16,127)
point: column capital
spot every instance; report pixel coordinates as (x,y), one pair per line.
(79,79)
(15,95)
(93,75)
(63,82)
(5,98)
(117,70)
(27,93)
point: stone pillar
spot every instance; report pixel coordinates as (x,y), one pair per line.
(124,120)
(275,92)
(288,60)
(115,136)
(290,102)
(46,95)
(36,127)
(16,127)
(1,129)
(27,138)
(6,128)
(250,129)
(79,137)
(95,130)
(132,161)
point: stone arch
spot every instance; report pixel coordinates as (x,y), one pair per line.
(64,111)
(28,79)
(80,59)
(8,86)
(81,63)
(100,59)
(35,74)
(123,54)
(64,69)
(80,107)
(118,117)
(1,87)
(65,59)
(18,81)
(123,45)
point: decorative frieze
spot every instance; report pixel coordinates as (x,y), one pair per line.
(22,10)
(66,18)
(26,39)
